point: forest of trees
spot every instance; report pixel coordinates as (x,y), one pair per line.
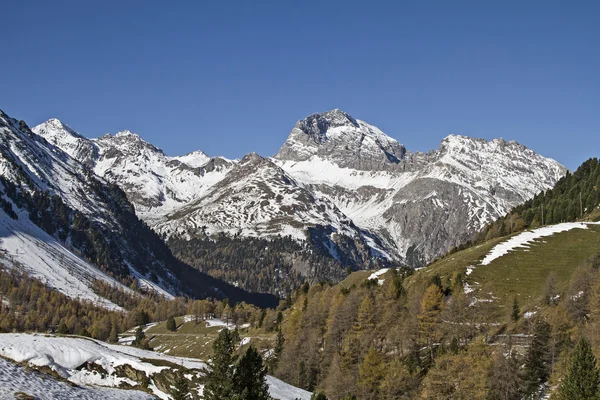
(413,338)
(261,265)
(28,305)
(258,265)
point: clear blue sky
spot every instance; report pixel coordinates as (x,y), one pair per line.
(233,77)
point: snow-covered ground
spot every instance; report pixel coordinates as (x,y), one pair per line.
(525,239)
(43,257)
(15,379)
(377,274)
(65,354)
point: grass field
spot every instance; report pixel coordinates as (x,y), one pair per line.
(521,273)
(196,340)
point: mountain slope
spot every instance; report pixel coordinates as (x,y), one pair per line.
(44,185)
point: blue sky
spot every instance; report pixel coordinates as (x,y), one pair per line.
(232,77)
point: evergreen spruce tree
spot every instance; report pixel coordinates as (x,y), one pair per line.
(515,310)
(583,378)
(180,389)
(219,377)
(140,337)
(171,324)
(249,379)
(538,358)
(62,328)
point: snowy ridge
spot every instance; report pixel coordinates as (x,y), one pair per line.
(66,354)
(15,379)
(155,183)
(416,203)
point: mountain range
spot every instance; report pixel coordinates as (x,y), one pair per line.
(338,186)
(69,227)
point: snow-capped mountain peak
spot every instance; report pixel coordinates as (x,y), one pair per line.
(68,140)
(195,159)
(347,142)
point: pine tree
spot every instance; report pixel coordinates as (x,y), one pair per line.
(538,357)
(171,324)
(140,336)
(503,379)
(515,314)
(249,379)
(62,328)
(219,377)
(431,305)
(583,378)
(180,389)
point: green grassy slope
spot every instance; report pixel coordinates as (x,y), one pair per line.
(521,273)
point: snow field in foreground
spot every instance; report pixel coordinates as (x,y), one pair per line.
(15,379)
(65,354)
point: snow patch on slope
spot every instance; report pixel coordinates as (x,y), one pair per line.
(15,379)
(524,239)
(377,274)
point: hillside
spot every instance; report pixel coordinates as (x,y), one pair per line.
(410,332)
(576,196)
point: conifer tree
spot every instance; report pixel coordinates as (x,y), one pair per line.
(180,389)
(431,305)
(219,377)
(171,324)
(140,336)
(371,373)
(503,379)
(537,359)
(62,328)
(249,379)
(113,336)
(583,378)
(515,310)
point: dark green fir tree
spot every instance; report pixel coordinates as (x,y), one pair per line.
(583,378)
